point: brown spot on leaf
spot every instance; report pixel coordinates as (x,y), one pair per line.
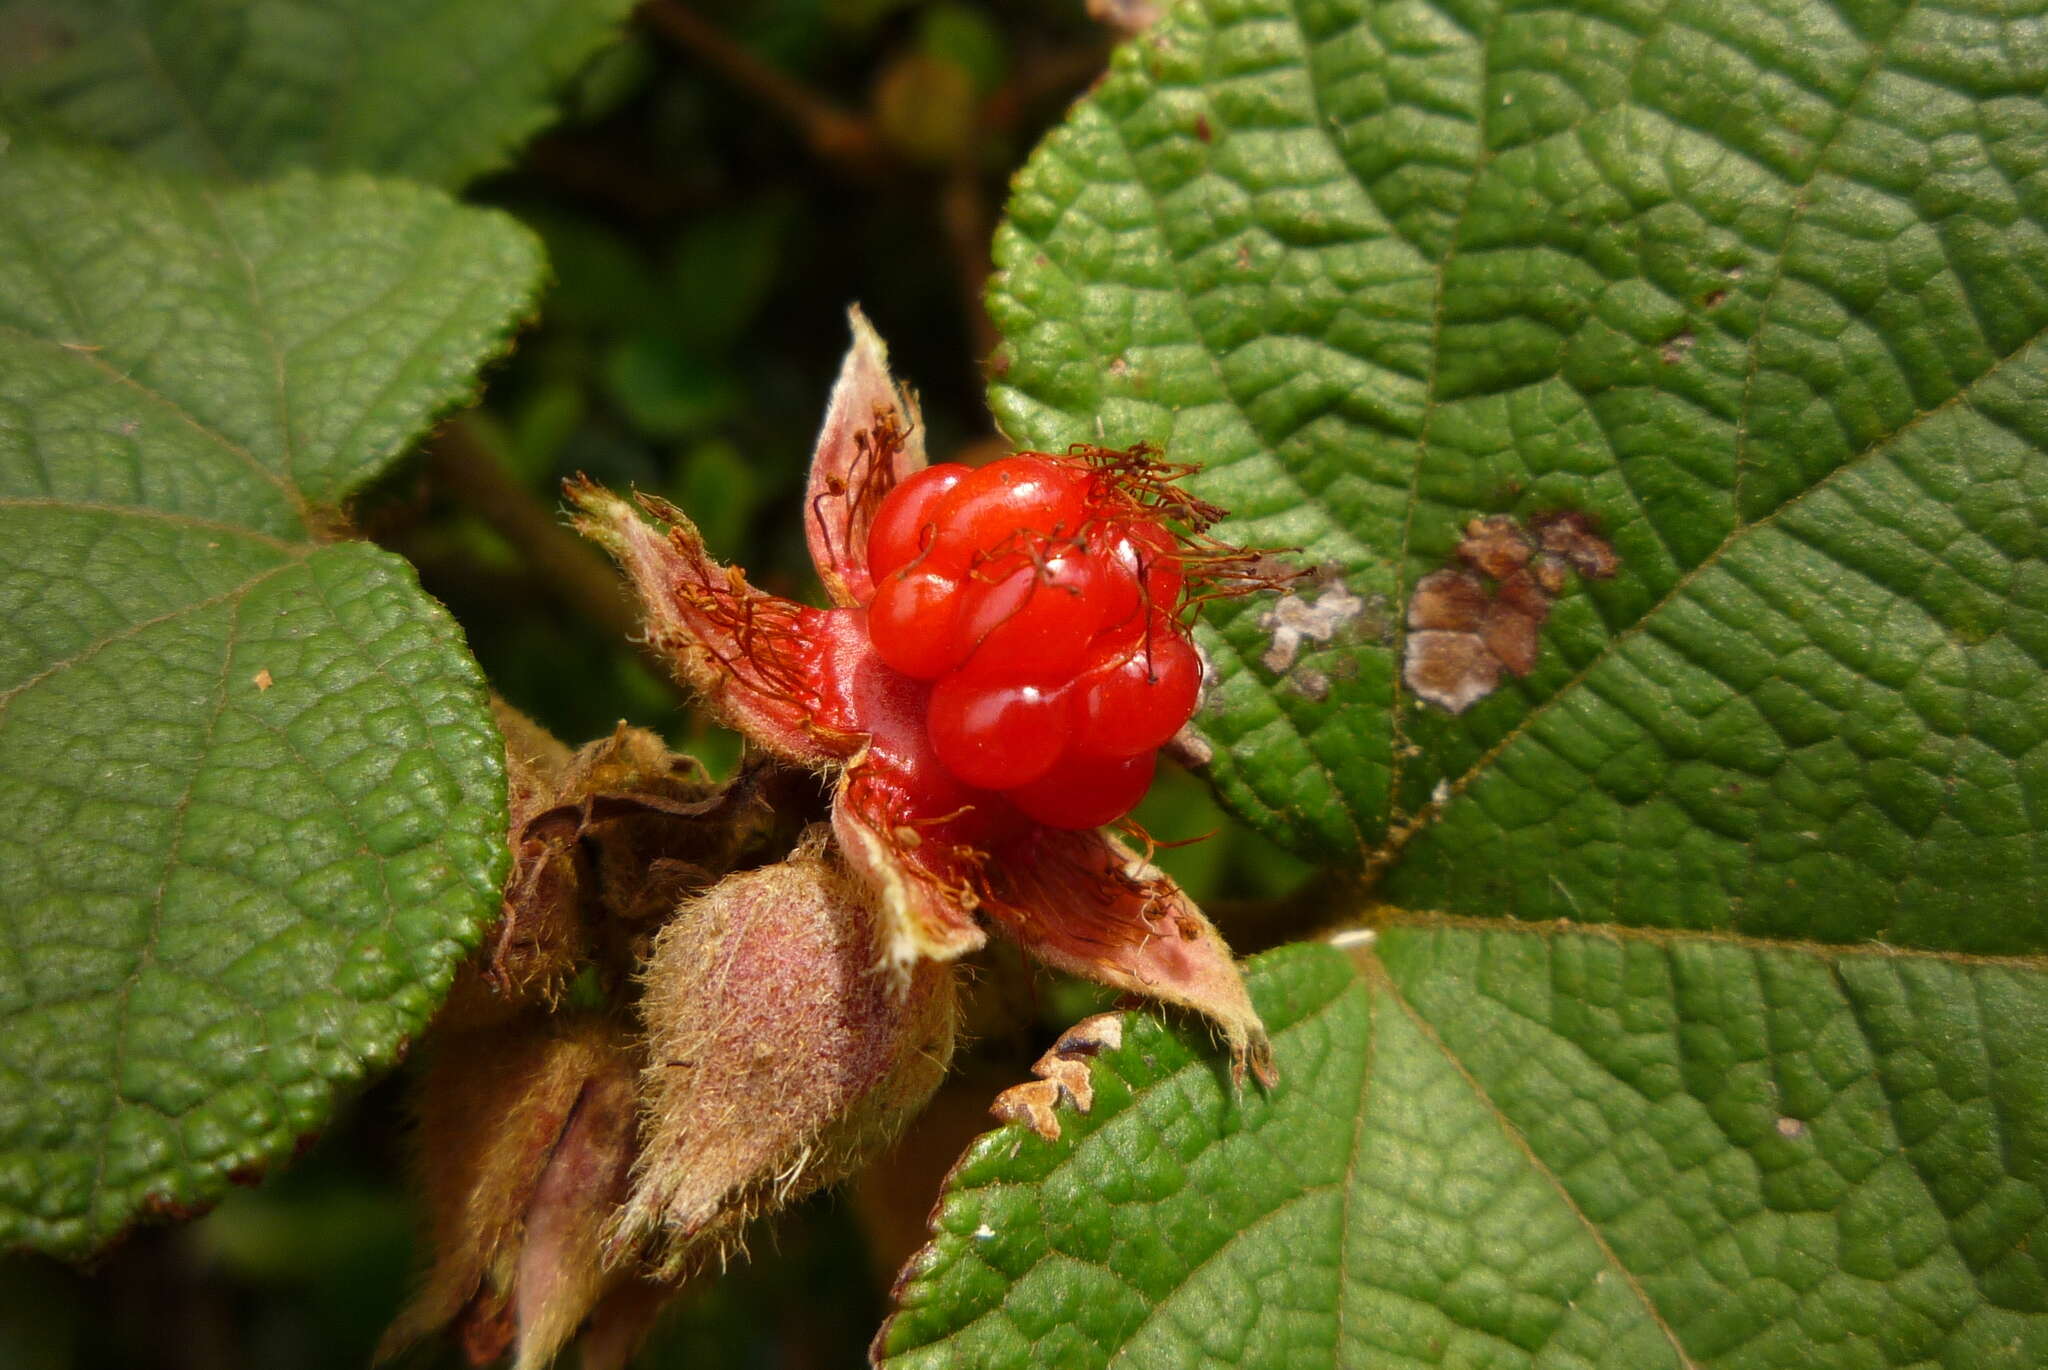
(262,680)
(1455,601)
(1512,638)
(1202,129)
(1453,671)
(1470,622)
(1676,347)
(1311,684)
(1571,535)
(1496,546)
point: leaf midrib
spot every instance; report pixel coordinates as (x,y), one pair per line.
(1483,43)
(1877,56)
(81,354)
(1374,973)
(153,514)
(1367,971)
(145,956)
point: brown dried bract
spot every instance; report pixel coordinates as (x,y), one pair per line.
(1469,623)
(605,841)
(1062,1074)
(525,1137)
(1120,921)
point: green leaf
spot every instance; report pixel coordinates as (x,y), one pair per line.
(437,90)
(1757,287)
(256,799)
(1511,1147)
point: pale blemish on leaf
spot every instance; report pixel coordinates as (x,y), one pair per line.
(1295,619)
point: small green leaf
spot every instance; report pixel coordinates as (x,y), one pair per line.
(1517,1147)
(1757,287)
(439,90)
(256,799)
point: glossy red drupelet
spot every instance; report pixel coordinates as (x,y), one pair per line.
(1042,601)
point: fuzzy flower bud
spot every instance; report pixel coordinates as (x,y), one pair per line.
(781,1052)
(526,1138)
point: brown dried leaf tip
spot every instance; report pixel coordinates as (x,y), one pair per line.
(1469,623)
(1062,1075)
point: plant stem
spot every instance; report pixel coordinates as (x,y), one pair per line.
(465,468)
(840,138)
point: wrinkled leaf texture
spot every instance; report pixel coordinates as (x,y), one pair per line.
(433,90)
(1504,1146)
(1760,288)
(255,801)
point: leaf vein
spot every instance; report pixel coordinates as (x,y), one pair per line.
(1384,982)
(1608,648)
(8,696)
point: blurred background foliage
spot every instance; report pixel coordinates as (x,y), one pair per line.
(724,180)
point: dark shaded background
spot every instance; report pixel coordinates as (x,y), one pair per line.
(727,179)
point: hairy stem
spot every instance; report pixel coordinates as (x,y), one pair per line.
(463,466)
(838,137)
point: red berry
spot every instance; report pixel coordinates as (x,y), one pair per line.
(996,735)
(1134,698)
(1040,599)
(1085,791)
(1034,621)
(913,621)
(905,519)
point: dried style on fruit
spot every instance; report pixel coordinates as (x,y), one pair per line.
(1005,652)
